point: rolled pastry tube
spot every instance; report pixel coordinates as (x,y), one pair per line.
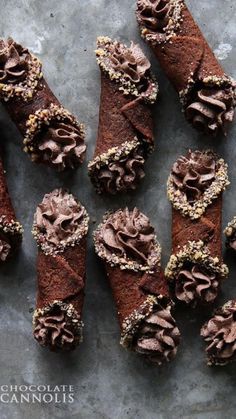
(60,228)
(205,91)
(195,186)
(10,229)
(52,135)
(127,244)
(125,133)
(219,334)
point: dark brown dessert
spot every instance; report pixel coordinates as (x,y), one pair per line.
(125,133)
(219,334)
(127,244)
(52,135)
(60,228)
(195,188)
(206,92)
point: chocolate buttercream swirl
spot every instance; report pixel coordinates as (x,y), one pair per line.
(131,62)
(13,62)
(123,174)
(128,66)
(62,145)
(154,14)
(5,249)
(220,335)
(158,337)
(59,220)
(56,331)
(128,234)
(193,174)
(196,283)
(212,109)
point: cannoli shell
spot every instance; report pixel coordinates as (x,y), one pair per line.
(207,228)
(20,110)
(130,289)
(62,277)
(187,54)
(121,118)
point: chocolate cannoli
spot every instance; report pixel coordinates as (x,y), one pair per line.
(125,133)
(195,186)
(10,229)
(60,228)
(219,334)
(230,233)
(52,135)
(206,92)
(127,244)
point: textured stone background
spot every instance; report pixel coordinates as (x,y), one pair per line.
(109,382)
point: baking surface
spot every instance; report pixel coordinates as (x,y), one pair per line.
(109,382)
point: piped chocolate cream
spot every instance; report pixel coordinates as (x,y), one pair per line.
(194,274)
(154,14)
(196,181)
(131,62)
(20,71)
(130,234)
(62,145)
(56,329)
(127,237)
(128,66)
(123,174)
(60,221)
(219,334)
(158,337)
(211,110)
(193,174)
(13,62)
(158,19)
(196,283)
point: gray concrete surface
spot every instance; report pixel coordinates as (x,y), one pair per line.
(109,383)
